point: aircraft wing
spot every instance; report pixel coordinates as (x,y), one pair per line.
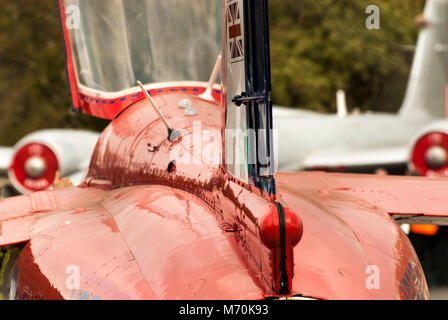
(17,214)
(5,158)
(357,157)
(415,200)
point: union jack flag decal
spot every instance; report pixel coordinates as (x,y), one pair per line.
(235,33)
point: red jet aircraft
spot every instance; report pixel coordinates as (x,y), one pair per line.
(181,200)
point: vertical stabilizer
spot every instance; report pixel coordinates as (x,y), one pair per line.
(429,74)
(246,81)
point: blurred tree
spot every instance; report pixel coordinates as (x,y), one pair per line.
(320,46)
(317,48)
(33,84)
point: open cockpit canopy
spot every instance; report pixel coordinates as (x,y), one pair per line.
(112,44)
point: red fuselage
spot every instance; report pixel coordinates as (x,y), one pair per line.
(143,227)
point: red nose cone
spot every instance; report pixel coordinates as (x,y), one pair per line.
(270,229)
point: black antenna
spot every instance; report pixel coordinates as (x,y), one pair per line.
(172,133)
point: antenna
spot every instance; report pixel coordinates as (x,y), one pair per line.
(341,103)
(207,95)
(172,134)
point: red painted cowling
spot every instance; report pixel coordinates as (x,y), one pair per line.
(349,240)
(145,242)
(151,231)
(194,233)
(170,235)
(202,181)
(147,157)
(134,149)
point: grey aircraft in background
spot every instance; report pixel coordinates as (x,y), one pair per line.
(306,140)
(369,141)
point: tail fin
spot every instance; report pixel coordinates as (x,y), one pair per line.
(429,74)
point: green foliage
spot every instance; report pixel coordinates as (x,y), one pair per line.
(33,84)
(317,47)
(320,46)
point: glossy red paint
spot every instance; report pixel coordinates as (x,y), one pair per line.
(18,214)
(198,233)
(344,234)
(137,229)
(396,195)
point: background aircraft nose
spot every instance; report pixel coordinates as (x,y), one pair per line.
(35,167)
(436,157)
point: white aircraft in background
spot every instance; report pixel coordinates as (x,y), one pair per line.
(307,140)
(370,141)
(40,157)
